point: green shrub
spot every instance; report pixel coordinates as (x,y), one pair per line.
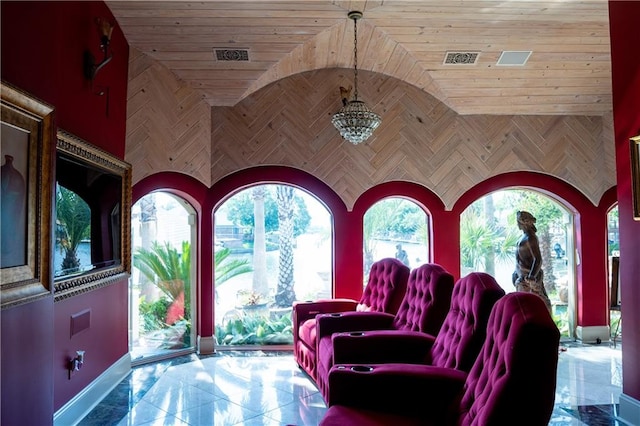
(256,330)
(153,314)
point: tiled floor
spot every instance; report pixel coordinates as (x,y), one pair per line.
(267,388)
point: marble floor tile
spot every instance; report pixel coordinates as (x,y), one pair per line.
(255,388)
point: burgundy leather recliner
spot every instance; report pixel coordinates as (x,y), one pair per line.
(512,381)
(421,314)
(384,291)
(456,345)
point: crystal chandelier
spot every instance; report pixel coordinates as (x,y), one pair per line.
(355,121)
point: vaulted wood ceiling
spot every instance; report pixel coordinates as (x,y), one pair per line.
(567,73)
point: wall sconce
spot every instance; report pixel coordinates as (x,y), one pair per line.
(76,363)
(91,68)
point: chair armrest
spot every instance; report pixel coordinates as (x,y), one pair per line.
(327,324)
(409,389)
(303,311)
(381,347)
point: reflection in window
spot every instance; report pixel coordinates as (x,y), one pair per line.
(489,235)
(72,234)
(161,314)
(272,247)
(395,227)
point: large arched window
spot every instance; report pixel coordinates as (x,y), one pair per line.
(395,227)
(272,246)
(489,235)
(161,294)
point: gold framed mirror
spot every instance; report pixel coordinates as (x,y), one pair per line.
(92,246)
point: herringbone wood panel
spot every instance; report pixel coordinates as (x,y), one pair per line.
(420,140)
(168,124)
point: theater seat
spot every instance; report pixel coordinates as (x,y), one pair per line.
(512,381)
(383,293)
(421,314)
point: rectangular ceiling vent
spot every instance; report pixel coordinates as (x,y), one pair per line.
(232,55)
(461,58)
(514,58)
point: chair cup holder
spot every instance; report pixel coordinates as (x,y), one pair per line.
(361,368)
(356,333)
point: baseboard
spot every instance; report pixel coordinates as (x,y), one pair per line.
(206,345)
(81,404)
(629,410)
(593,334)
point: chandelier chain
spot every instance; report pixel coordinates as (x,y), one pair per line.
(355,121)
(355,58)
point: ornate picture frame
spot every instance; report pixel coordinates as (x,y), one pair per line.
(635,175)
(112,219)
(26,147)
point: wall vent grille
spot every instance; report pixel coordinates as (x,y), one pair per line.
(461,58)
(232,55)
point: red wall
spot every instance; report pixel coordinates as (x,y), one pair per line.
(44,56)
(625,39)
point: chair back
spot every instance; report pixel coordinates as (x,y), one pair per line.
(426,301)
(464,329)
(386,286)
(516,369)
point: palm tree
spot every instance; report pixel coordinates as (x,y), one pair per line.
(169,270)
(225,268)
(479,238)
(260,284)
(285,294)
(73,216)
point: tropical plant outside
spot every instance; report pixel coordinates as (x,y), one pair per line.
(269,226)
(393,221)
(73,225)
(170,271)
(489,235)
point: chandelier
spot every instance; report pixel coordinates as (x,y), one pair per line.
(355,121)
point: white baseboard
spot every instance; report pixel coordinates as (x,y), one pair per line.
(591,334)
(629,410)
(81,404)
(206,345)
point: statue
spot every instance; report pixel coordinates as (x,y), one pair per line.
(528,275)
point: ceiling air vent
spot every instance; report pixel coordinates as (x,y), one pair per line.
(461,58)
(514,58)
(232,54)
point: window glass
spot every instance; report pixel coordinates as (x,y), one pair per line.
(160,290)
(395,227)
(489,236)
(272,247)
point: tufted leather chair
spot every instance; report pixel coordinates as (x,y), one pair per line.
(384,291)
(456,345)
(419,318)
(512,381)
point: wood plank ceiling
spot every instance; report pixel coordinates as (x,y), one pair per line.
(567,73)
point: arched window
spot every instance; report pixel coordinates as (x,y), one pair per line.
(395,227)
(489,235)
(161,294)
(272,246)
